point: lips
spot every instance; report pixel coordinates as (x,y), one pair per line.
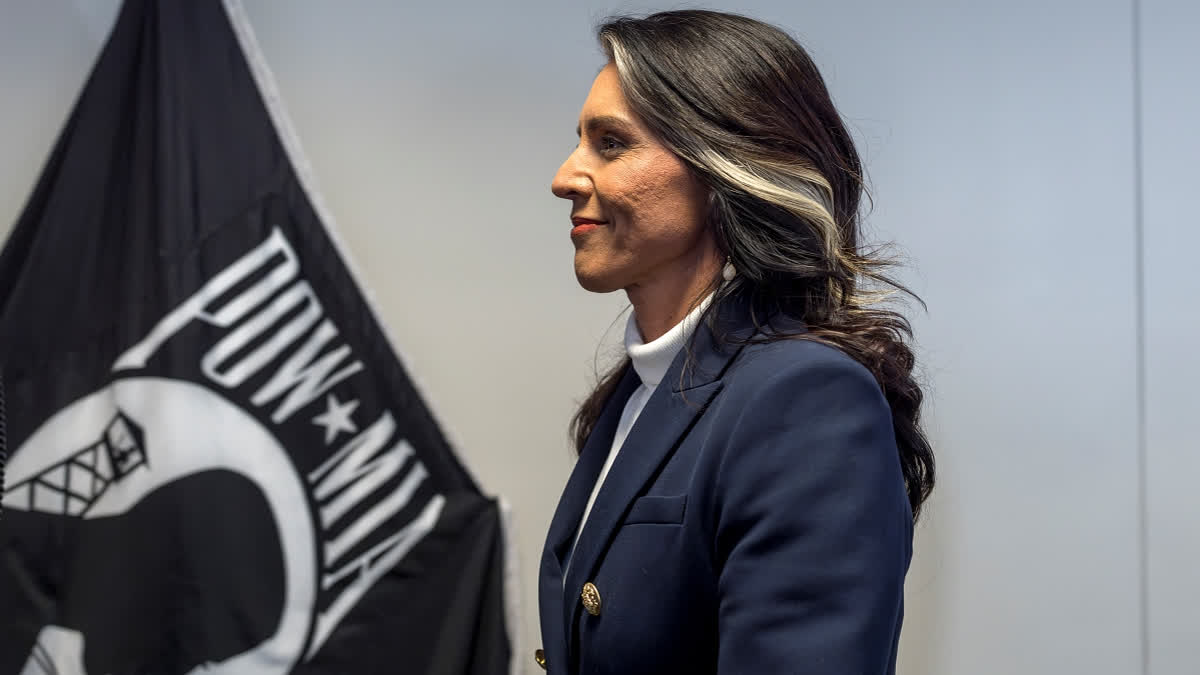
(584,225)
(584,228)
(578,221)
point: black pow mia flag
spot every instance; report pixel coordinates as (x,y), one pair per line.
(217,462)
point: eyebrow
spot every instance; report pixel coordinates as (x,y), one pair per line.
(611,121)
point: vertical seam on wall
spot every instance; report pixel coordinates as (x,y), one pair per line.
(1139,266)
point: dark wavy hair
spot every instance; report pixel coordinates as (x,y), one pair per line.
(744,106)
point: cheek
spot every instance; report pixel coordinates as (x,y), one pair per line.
(658,203)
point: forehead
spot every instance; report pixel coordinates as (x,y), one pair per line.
(605,97)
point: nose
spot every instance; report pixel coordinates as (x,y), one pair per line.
(572,180)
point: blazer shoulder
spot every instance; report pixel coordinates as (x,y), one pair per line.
(789,359)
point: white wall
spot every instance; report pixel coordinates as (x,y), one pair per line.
(1000,139)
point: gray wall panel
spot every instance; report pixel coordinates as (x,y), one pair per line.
(1170,55)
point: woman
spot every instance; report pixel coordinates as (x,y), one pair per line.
(749,477)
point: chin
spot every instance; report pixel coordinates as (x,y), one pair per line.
(597,282)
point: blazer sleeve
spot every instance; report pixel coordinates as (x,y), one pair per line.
(813,526)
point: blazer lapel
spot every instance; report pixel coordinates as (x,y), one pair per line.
(566,520)
(669,414)
(583,477)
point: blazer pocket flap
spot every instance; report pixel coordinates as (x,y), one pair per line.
(657,509)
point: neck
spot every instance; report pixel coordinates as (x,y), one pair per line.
(663,301)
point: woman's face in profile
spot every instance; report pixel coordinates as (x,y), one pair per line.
(637,212)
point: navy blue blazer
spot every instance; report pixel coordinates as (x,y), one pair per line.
(755,521)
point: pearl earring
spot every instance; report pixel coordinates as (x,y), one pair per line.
(728,272)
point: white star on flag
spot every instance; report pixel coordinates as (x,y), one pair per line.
(336,418)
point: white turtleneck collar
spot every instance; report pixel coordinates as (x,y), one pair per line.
(651,361)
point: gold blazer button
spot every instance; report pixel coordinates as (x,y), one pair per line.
(591,598)
(540,657)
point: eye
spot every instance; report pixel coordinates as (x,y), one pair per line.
(609,144)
